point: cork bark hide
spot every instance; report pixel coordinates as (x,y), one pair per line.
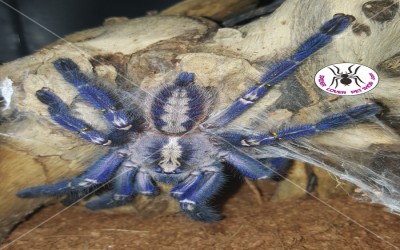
(149,51)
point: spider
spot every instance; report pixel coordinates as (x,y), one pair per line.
(175,140)
(345,77)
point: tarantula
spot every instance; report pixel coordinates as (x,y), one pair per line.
(174,140)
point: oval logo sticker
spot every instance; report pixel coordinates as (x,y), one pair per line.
(346,79)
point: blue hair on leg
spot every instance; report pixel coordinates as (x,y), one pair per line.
(97,173)
(99,98)
(278,72)
(200,211)
(332,27)
(245,164)
(280,166)
(334,121)
(233,138)
(102,169)
(295,132)
(281,69)
(73,197)
(337,24)
(347,117)
(185,185)
(121,193)
(312,44)
(144,185)
(193,201)
(58,188)
(60,113)
(70,71)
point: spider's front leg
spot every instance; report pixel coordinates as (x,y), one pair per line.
(331,122)
(195,191)
(281,70)
(99,98)
(60,113)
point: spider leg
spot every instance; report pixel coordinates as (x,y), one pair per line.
(99,98)
(144,184)
(333,81)
(122,191)
(337,83)
(358,78)
(350,72)
(355,72)
(330,122)
(247,165)
(356,81)
(333,71)
(128,182)
(337,69)
(60,113)
(98,173)
(194,192)
(192,180)
(279,164)
(281,70)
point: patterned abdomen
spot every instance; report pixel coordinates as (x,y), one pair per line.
(178,107)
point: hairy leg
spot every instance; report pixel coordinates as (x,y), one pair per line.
(196,190)
(281,70)
(98,173)
(98,97)
(331,122)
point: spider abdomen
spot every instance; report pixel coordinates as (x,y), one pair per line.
(178,107)
(345,81)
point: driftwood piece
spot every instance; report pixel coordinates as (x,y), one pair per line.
(148,51)
(216,10)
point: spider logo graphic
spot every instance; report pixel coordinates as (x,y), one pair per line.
(345,78)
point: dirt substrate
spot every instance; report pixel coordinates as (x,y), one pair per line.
(297,224)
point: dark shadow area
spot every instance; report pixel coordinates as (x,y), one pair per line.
(22,36)
(29,25)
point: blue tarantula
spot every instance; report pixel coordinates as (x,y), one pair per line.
(174,140)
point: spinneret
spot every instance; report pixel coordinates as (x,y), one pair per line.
(179,144)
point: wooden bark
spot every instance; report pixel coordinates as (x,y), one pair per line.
(216,10)
(151,50)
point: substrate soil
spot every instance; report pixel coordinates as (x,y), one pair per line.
(340,223)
